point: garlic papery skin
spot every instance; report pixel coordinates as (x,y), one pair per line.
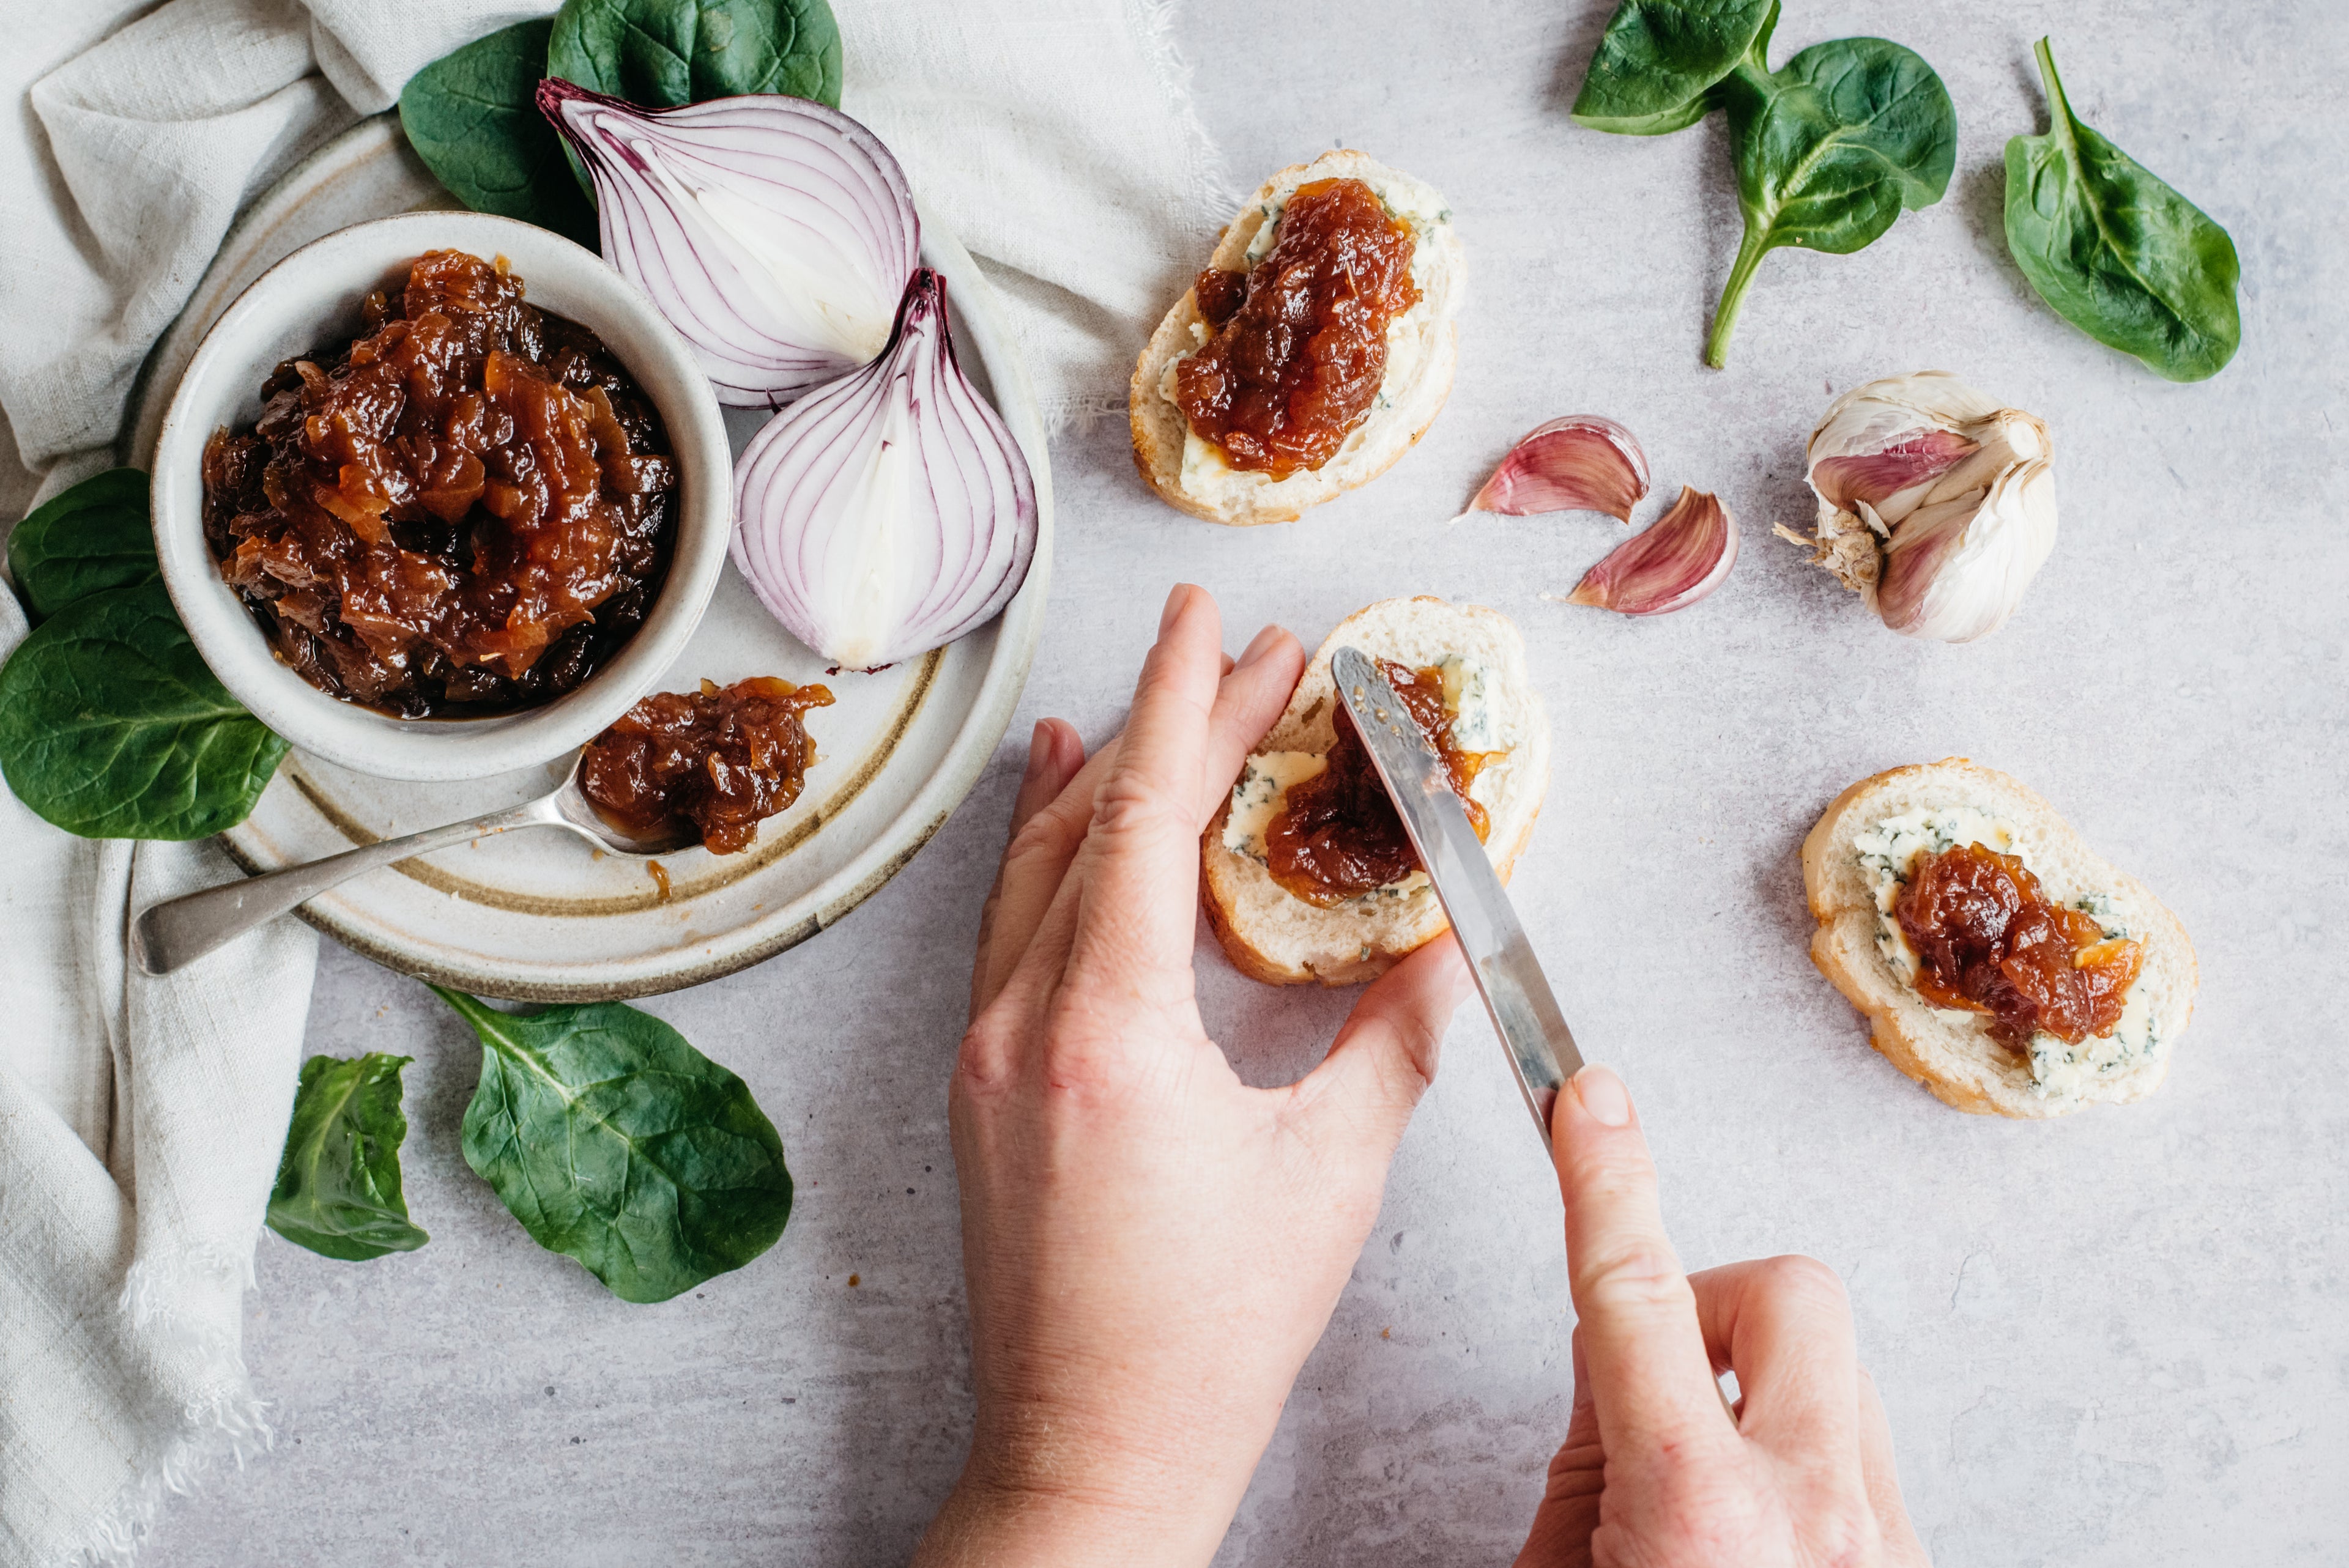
(1935,504)
(1883,443)
(1956,570)
(1681,557)
(1584,462)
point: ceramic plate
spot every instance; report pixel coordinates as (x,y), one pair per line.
(539,916)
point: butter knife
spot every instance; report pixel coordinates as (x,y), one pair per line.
(1516,994)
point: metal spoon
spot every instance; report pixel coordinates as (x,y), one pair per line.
(180,931)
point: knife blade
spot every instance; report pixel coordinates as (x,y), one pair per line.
(1517,997)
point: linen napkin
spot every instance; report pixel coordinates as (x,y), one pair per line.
(138,1118)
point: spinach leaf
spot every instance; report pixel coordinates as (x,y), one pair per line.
(615,1142)
(1830,150)
(1658,62)
(112,728)
(2117,252)
(668,52)
(472,116)
(84,540)
(337,1189)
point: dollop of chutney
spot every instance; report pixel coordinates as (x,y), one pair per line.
(1336,835)
(724,759)
(464,509)
(1300,343)
(1989,940)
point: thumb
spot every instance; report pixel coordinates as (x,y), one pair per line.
(1384,1055)
(1650,1375)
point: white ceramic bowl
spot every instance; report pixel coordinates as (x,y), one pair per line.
(311,298)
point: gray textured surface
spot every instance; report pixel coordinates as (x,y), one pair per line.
(2120,1339)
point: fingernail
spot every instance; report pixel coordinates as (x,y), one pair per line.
(1174,602)
(1603,1096)
(1040,751)
(1263,644)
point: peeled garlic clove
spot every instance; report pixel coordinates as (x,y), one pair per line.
(1681,558)
(1935,504)
(1584,462)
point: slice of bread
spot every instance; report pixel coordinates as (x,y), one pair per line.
(1191,475)
(1850,864)
(1279,938)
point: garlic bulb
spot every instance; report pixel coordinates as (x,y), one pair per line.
(1935,504)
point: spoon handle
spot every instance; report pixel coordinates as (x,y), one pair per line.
(181,930)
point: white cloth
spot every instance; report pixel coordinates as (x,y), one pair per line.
(130,1190)
(138,1120)
(1055,137)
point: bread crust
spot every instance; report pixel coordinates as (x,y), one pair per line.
(1245,957)
(1240,923)
(1158,428)
(1907,1031)
(1217,896)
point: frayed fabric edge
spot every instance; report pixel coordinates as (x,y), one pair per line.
(228,1422)
(1201,207)
(1209,195)
(1079,412)
(152,1288)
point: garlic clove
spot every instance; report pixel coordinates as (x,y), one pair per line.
(1884,442)
(1584,462)
(2007,438)
(1955,570)
(1681,558)
(1909,466)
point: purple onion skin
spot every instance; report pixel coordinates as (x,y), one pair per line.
(969,534)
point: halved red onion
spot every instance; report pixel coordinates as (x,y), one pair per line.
(890,512)
(774,233)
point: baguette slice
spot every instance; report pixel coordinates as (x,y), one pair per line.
(1949,1052)
(1420,354)
(1278,938)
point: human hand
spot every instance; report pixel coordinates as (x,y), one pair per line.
(1151,1247)
(1653,1472)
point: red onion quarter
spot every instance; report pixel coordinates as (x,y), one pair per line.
(774,233)
(890,512)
